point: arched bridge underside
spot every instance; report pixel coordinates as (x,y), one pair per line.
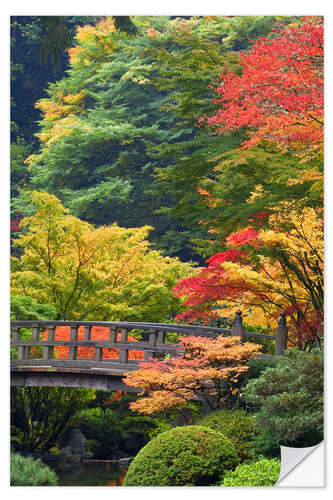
(102,364)
(70,377)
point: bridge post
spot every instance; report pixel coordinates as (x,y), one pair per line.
(113,335)
(15,333)
(123,353)
(73,349)
(237,329)
(22,351)
(87,333)
(98,353)
(152,340)
(281,336)
(35,332)
(48,351)
(161,337)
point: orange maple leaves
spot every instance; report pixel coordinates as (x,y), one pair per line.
(209,369)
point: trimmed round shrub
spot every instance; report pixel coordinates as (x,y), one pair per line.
(237,425)
(265,472)
(28,471)
(184,456)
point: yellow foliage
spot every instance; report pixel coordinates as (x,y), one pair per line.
(92,36)
(257,193)
(289,278)
(103,273)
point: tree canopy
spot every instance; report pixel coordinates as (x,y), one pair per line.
(201,134)
(108,273)
(124,120)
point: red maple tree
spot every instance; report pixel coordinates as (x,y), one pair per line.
(278,93)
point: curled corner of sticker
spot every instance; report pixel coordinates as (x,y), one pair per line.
(302,466)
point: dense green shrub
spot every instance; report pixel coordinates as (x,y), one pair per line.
(262,473)
(258,366)
(104,427)
(93,447)
(188,414)
(162,423)
(237,425)
(109,430)
(27,471)
(289,402)
(184,456)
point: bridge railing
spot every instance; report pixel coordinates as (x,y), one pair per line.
(153,345)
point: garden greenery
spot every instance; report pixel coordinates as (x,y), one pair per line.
(289,401)
(28,471)
(183,456)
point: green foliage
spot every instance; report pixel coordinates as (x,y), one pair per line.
(28,78)
(120,406)
(162,423)
(258,366)
(55,38)
(27,471)
(41,416)
(233,181)
(19,176)
(56,35)
(125,24)
(183,456)
(27,309)
(105,428)
(267,345)
(289,402)
(166,420)
(236,425)
(108,430)
(93,447)
(262,473)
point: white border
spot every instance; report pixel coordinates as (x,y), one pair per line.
(145,7)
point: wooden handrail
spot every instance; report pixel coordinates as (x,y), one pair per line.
(155,344)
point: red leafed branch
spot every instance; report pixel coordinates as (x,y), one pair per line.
(279,93)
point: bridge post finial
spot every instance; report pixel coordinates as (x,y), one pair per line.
(281,335)
(237,329)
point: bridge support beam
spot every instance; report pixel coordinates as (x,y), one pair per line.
(69,379)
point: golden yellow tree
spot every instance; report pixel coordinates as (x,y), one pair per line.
(108,273)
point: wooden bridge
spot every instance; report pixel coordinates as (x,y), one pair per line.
(40,368)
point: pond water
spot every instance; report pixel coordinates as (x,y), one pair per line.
(94,474)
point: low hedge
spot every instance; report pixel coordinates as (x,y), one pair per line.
(237,425)
(265,472)
(184,456)
(28,471)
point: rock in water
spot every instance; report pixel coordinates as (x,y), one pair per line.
(76,444)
